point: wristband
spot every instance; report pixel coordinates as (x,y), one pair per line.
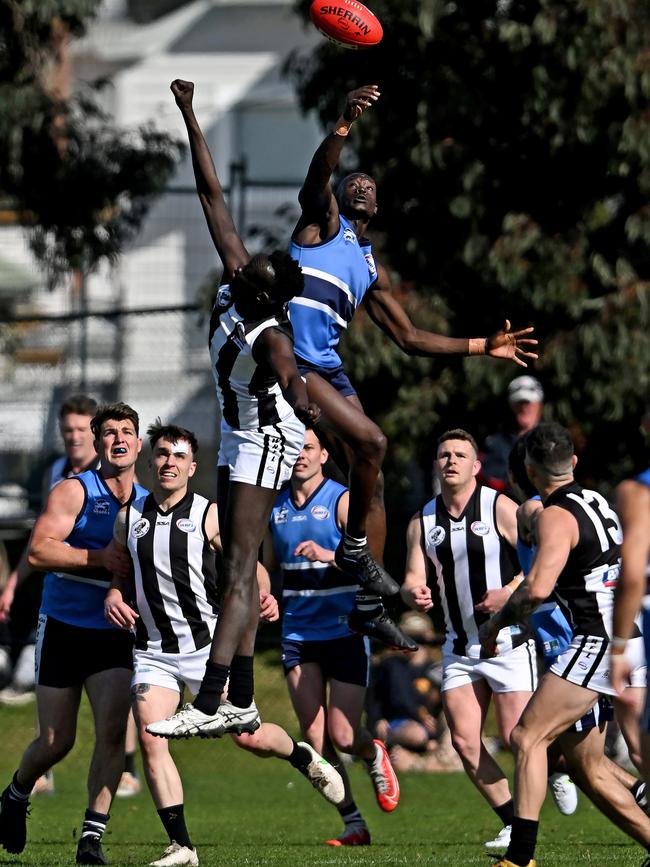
(342,126)
(618,643)
(477,345)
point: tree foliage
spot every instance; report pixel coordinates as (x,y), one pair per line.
(82,185)
(511,146)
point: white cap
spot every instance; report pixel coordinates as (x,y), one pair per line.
(525,389)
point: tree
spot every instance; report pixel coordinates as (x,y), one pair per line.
(81,185)
(511,146)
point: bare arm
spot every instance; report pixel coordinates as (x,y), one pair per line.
(320,214)
(229,245)
(633,504)
(47,549)
(116,610)
(386,312)
(277,349)
(414,591)
(557,535)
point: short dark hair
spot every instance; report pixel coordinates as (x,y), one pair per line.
(278,275)
(517,467)
(550,447)
(158,431)
(118,411)
(457,434)
(79,404)
(340,187)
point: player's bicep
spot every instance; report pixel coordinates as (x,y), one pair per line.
(556,529)
(62,509)
(506,511)
(416,564)
(119,528)
(212,531)
(342,511)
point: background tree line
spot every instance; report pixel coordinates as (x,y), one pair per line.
(511,146)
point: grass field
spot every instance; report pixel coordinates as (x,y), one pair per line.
(242,810)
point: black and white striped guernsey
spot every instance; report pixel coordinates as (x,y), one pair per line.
(175,574)
(469,556)
(247,388)
(586,585)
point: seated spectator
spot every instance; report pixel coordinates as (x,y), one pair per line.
(404,703)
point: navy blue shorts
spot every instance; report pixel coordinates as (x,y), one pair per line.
(336,376)
(344,659)
(601,712)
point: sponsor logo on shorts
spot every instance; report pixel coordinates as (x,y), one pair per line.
(372,268)
(102,507)
(320,513)
(185,525)
(349,236)
(583,665)
(479,528)
(280,517)
(140,528)
(436,536)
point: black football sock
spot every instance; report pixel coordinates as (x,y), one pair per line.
(351,816)
(353,545)
(173,819)
(241,686)
(300,757)
(94,824)
(523,841)
(368,604)
(506,812)
(129,763)
(212,687)
(638,790)
(18,791)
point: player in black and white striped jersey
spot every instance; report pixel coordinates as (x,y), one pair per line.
(264,408)
(578,557)
(466,537)
(172,535)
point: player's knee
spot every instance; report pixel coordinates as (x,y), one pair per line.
(343,740)
(468,748)
(58,743)
(373,444)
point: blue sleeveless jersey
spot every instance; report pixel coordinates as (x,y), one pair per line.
(337,275)
(78,599)
(551,628)
(316,597)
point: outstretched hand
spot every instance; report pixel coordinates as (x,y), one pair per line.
(359,100)
(511,344)
(183,92)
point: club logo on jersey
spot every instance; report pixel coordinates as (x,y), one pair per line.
(320,513)
(479,528)
(102,507)
(372,268)
(185,525)
(349,236)
(224,296)
(140,528)
(280,517)
(610,578)
(436,536)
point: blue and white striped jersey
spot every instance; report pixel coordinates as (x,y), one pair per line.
(338,273)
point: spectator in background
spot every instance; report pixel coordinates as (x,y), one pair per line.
(404,702)
(526,400)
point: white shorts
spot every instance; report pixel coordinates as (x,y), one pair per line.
(262,457)
(171,670)
(586,663)
(514,671)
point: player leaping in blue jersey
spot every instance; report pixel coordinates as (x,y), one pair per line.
(340,273)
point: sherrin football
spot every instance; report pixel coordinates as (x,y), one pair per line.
(346,22)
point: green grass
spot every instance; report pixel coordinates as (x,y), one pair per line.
(242,810)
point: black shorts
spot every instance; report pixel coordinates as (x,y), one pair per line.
(68,655)
(344,659)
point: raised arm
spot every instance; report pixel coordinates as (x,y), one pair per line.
(386,312)
(226,239)
(320,214)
